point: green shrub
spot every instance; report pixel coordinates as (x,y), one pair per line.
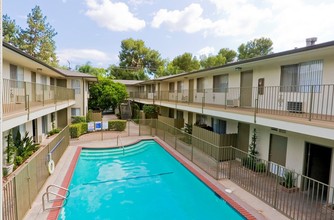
(150,111)
(18,161)
(260,167)
(78,119)
(78,129)
(117,125)
(75,130)
(249,162)
(54,131)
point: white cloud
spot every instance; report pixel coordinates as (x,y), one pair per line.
(140,2)
(294,24)
(240,17)
(206,51)
(114,16)
(288,23)
(189,20)
(82,56)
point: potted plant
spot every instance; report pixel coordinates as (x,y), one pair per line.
(10,155)
(289,182)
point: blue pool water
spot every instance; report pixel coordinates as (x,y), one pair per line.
(144,183)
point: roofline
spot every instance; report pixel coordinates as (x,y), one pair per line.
(9,46)
(260,58)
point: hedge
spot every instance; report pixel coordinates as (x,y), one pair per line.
(117,125)
(78,119)
(78,129)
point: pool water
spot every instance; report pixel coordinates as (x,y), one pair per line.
(141,181)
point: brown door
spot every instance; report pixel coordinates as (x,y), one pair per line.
(277,149)
(243,136)
(191,90)
(246,83)
(190,118)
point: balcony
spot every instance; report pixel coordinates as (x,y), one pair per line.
(306,103)
(21,98)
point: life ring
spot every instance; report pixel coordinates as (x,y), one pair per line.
(51,166)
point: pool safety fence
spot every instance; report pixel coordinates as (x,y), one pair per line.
(22,187)
(295,195)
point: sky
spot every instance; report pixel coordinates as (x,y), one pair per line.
(92,30)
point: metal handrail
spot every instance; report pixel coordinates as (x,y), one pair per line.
(58,196)
(122,146)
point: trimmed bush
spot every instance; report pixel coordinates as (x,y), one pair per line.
(78,129)
(117,125)
(78,119)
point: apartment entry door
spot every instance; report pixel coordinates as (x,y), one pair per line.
(246,84)
(277,153)
(243,136)
(191,90)
(317,165)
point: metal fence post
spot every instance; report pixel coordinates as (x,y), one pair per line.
(311,103)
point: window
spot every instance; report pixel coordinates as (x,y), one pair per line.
(300,77)
(52,81)
(218,126)
(220,83)
(179,86)
(171,87)
(16,76)
(200,84)
(43,80)
(149,88)
(76,85)
(75,112)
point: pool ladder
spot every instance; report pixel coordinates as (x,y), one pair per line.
(58,197)
(122,146)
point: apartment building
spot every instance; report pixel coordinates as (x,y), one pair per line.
(288,97)
(37,97)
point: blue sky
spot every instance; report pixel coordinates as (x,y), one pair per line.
(92,30)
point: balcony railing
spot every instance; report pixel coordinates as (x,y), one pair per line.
(309,102)
(19,96)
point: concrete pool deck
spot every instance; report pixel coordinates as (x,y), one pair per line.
(253,205)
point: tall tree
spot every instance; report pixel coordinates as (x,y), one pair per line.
(255,48)
(105,94)
(185,63)
(11,31)
(37,39)
(211,61)
(230,55)
(88,68)
(134,55)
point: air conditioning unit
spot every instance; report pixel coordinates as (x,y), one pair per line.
(232,102)
(295,107)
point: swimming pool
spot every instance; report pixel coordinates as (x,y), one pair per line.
(141,181)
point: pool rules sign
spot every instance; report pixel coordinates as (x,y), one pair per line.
(97,126)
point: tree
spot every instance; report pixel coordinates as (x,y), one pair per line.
(37,38)
(135,56)
(255,48)
(105,94)
(89,69)
(185,63)
(211,61)
(116,72)
(230,55)
(10,31)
